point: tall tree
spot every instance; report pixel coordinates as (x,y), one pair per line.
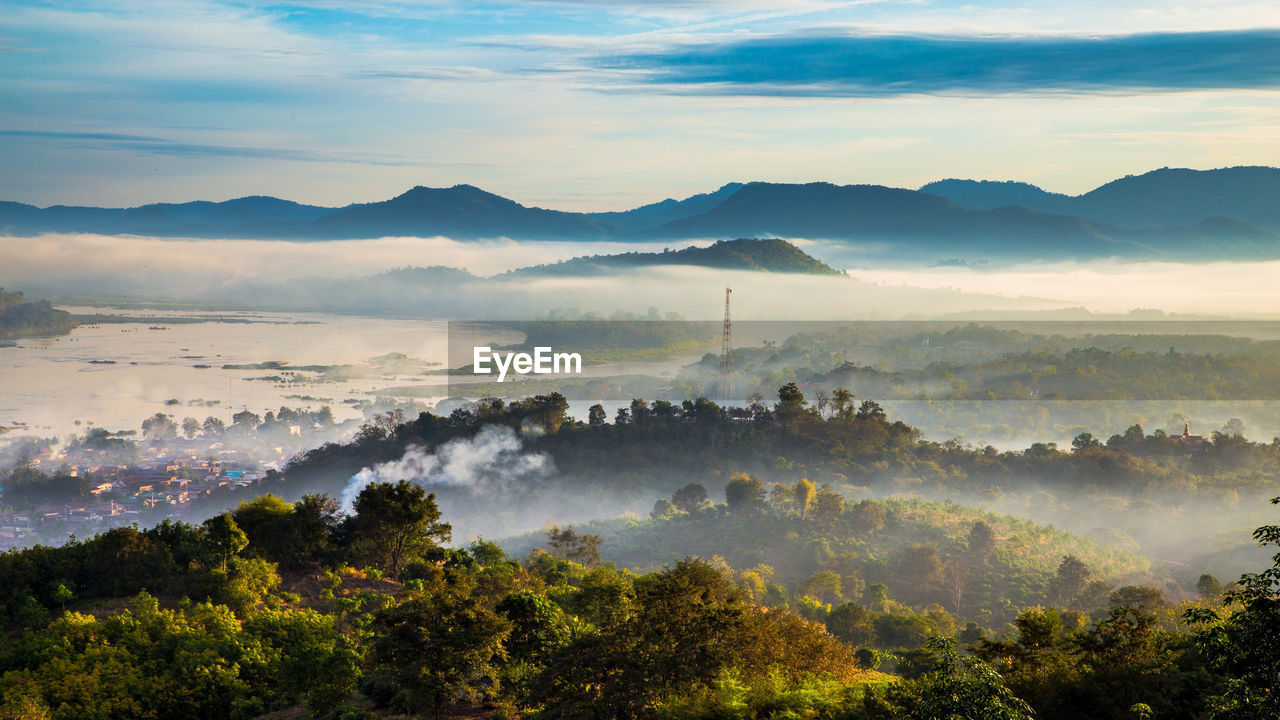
(224,537)
(395,522)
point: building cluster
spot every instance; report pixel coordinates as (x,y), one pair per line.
(159,484)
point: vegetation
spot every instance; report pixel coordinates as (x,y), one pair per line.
(22,318)
(769,255)
(763,584)
(227,636)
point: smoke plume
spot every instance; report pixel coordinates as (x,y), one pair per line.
(492,459)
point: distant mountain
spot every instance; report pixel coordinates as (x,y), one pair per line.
(904,219)
(192,219)
(1231,213)
(462,212)
(771,255)
(1170,197)
(993,194)
(661,213)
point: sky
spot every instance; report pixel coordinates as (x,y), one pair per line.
(611,104)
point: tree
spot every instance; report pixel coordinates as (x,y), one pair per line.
(159,428)
(1070,580)
(803,492)
(923,567)
(213,427)
(266,521)
(981,541)
(1242,645)
(395,522)
(690,498)
(538,627)
(960,686)
(866,517)
(791,401)
(841,403)
(582,548)
(851,623)
(823,586)
(828,505)
(595,415)
(315,517)
(223,537)
(870,410)
(190,428)
(744,494)
(1084,441)
(821,399)
(246,421)
(440,648)
(1209,587)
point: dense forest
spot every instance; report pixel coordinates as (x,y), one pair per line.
(766,581)
(275,606)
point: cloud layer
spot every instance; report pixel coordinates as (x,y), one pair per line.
(879,65)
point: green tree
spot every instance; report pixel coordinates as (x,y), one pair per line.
(395,522)
(538,627)
(223,537)
(690,497)
(1242,645)
(440,648)
(1209,587)
(960,686)
(803,493)
(828,505)
(851,623)
(744,494)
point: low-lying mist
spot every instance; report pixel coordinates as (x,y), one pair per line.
(333,276)
(1212,288)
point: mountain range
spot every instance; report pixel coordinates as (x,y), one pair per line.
(1178,214)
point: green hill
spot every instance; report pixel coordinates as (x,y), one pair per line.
(768,255)
(922,552)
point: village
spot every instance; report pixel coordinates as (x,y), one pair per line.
(161,484)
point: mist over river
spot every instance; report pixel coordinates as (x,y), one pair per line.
(113,375)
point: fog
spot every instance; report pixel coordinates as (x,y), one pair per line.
(327,276)
(1211,288)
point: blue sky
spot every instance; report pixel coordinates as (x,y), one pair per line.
(610,104)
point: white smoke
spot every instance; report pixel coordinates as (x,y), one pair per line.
(495,456)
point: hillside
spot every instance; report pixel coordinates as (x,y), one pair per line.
(771,255)
(900,543)
(462,212)
(1169,197)
(911,221)
(661,213)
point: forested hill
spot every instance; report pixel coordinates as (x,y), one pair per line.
(769,255)
(807,541)
(852,610)
(20,317)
